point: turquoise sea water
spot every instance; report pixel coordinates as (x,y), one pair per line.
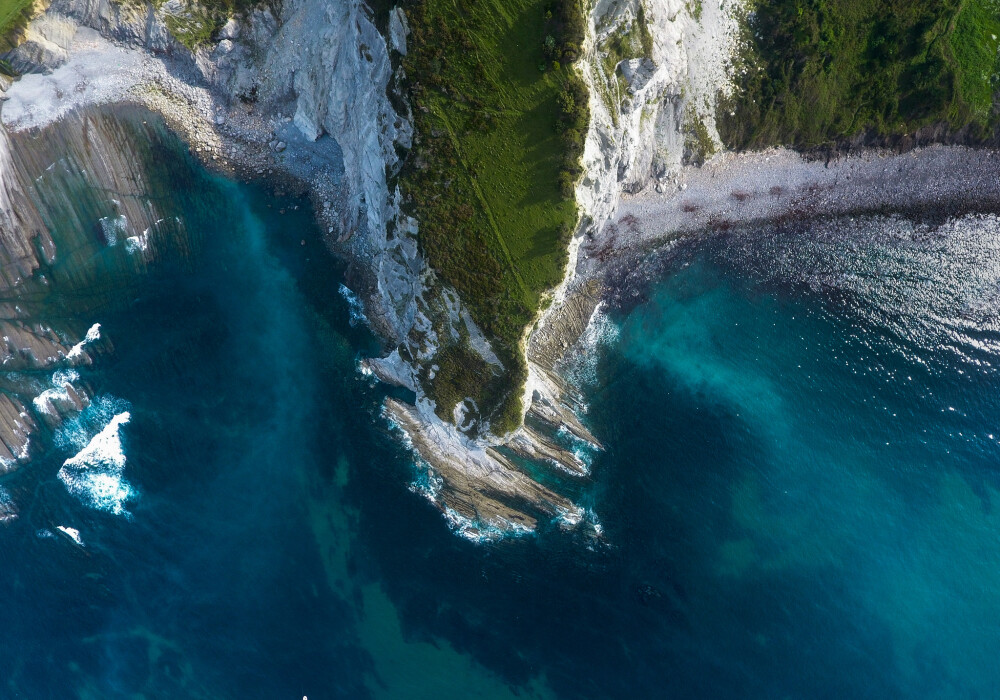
(798,496)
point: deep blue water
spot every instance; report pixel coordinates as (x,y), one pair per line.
(797,498)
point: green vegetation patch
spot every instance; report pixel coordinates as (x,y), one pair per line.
(631,39)
(195,27)
(500,121)
(698,143)
(200,21)
(823,71)
(458,372)
(14,17)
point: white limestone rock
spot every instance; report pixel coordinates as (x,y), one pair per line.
(398,29)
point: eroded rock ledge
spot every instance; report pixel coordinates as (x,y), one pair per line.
(68,191)
(273,96)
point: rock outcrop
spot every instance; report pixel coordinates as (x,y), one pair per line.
(71,190)
(307,93)
(652,110)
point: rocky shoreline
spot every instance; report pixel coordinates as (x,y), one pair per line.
(256,105)
(228,136)
(781,187)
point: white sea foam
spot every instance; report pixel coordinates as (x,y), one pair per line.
(22,430)
(72,533)
(580,364)
(138,244)
(479,532)
(75,433)
(354,306)
(95,474)
(429,484)
(93,334)
(112,227)
(8,509)
(57,392)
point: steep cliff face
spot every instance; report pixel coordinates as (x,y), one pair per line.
(49,38)
(313,79)
(308,93)
(655,69)
(330,62)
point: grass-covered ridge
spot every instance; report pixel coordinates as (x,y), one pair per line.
(500,119)
(14,17)
(823,71)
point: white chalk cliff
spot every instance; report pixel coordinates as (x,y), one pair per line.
(308,93)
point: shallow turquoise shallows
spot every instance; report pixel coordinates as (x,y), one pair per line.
(797,500)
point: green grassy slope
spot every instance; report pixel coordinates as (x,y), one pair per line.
(827,70)
(500,122)
(10,11)
(14,16)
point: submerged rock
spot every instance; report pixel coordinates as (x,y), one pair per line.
(60,188)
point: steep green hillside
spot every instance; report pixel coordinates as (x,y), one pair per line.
(825,70)
(500,121)
(14,16)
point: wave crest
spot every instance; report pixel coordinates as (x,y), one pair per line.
(95,475)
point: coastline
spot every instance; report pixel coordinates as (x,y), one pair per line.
(782,186)
(485,490)
(226,136)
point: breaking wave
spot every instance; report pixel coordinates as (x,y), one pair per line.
(579,365)
(8,509)
(44,402)
(137,244)
(72,533)
(112,227)
(354,306)
(95,475)
(93,335)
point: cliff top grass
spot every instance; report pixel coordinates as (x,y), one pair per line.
(500,121)
(14,17)
(825,71)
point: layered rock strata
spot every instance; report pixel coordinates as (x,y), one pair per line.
(307,93)
(70,191)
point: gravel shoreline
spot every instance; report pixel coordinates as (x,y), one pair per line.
(781,185)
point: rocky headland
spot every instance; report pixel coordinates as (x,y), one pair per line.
(309,97)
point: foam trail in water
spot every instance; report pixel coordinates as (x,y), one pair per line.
(8,509)
(112,227)
(93,334)
(354,305)
(95,474)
